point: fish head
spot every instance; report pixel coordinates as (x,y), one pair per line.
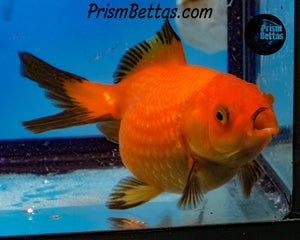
(233,117)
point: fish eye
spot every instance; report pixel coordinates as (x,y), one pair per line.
(222,114)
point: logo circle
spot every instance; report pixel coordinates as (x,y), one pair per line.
(265,34)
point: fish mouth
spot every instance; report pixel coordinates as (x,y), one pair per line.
(264,122)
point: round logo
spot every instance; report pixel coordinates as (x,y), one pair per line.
(265,34)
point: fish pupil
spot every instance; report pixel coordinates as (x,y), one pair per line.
(219,116)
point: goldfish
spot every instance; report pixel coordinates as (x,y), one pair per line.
(181,128)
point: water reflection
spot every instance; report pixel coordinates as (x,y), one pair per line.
(124,223)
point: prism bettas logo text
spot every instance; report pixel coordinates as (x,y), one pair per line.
(271,31)
(133,10)
(265,34)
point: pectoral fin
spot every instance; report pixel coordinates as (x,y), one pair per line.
(192,193)
(248,175)
(131,192)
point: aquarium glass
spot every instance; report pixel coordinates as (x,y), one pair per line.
(276,72)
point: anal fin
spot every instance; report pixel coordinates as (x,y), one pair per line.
(248,175)
(131,192)
(110,129)
(192,193)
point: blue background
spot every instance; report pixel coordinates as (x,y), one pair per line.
(60,33)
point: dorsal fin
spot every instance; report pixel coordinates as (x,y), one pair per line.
(163,48)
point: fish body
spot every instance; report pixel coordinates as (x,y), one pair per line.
(150,131)
(181,128)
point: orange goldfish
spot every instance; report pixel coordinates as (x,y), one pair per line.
(181,128)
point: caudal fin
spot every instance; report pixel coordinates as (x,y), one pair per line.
(83,101)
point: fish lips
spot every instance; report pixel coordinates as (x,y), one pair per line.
(263,123)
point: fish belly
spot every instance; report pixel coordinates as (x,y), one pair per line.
(151,150)
(152,102)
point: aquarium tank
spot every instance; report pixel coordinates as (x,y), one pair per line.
(58,183)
